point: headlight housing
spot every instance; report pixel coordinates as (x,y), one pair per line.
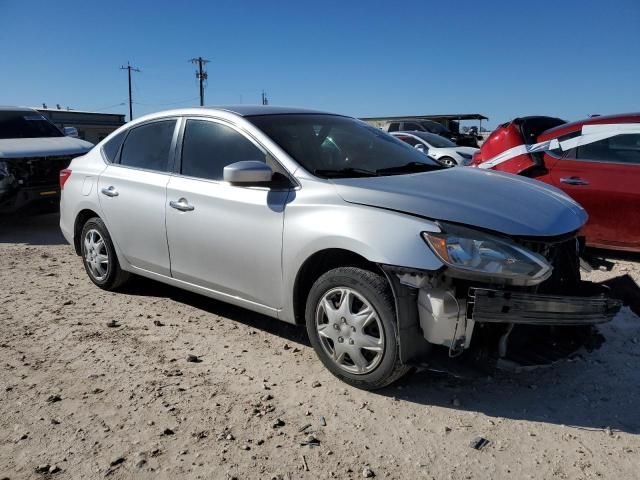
(474,254)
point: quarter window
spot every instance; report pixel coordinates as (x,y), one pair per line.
(110,148)
(148,146)
(208,147)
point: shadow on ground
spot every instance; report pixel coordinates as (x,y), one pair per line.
(577,393)
(31,229)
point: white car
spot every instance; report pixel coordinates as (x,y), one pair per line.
(438,148)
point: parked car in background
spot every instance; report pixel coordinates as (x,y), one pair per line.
(430,126)
(439,148)
(323,220)
(596,161)
(32,153)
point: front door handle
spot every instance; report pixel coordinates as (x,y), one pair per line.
(574,181)
(182,205)
(110,191)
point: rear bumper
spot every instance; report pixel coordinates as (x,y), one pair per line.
(498,306)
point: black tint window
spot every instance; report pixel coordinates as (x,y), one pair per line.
(148,146)
(209,147)
(26,124)
(110,148)
(619,149)
(410,140)
(393,127)
(412,127)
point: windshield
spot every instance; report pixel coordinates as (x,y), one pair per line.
(329,144)
(435,140)
(26,124)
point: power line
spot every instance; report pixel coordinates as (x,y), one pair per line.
(201,75)
(129,68)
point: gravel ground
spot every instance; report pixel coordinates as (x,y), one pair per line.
(98,384)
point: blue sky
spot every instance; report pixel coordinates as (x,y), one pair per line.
(362,58)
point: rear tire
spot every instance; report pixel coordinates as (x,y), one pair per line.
(99,256)
(351,322)
(448,162)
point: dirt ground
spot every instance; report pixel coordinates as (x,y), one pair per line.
(81,399)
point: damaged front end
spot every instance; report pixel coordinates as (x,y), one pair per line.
(513,303)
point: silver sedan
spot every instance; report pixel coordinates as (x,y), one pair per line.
(324,221)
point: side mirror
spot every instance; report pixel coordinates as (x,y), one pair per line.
(421,148)
(70,132)
(247,172)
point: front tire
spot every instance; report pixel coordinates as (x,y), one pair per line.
(351,322)
(99,256)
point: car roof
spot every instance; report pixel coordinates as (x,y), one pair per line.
(249,110)
(239,110)
(574,126)
(9,108)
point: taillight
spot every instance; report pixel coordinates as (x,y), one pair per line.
(64,176)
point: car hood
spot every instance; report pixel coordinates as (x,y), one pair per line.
(452,150)
(491,200)
(42,147)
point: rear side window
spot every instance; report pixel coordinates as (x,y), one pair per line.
(148,146)
(110,149)
(393,127)
(208,147)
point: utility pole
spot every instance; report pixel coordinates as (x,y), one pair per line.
(265,100)
(129,68)
(201,75)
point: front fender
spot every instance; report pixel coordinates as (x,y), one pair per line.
(381,236)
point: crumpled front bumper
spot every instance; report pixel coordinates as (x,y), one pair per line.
(499,306)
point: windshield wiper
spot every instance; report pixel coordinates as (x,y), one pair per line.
(409,167)
(345,172)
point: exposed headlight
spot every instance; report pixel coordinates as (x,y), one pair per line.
(464,155)
(474,254)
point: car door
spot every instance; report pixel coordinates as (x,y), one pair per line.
(224,237)
(132,193)
(604,177)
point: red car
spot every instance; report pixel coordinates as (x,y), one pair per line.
(595,161)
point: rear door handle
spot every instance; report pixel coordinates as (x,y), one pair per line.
(182,205)
(110,191)
(574,181)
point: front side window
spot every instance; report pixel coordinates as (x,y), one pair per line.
(208,147)
(407,139)
(436,140)
(332,146)
(26,124)
(623,148)
(148,146)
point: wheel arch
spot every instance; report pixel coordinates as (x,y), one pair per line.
(319,263)
(81,219)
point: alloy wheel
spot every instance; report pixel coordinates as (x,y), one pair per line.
(96,255)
